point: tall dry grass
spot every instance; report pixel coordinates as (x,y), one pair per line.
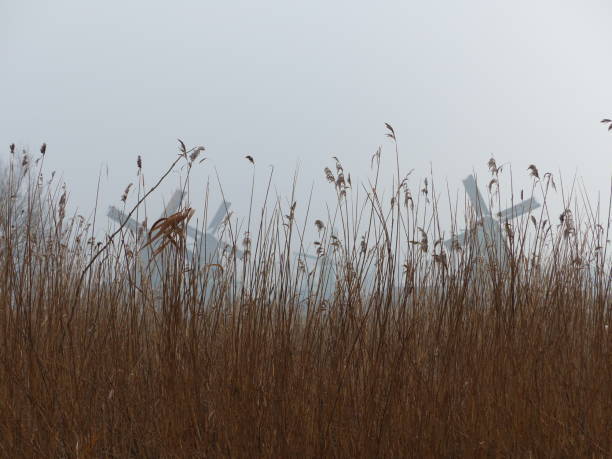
(386,345)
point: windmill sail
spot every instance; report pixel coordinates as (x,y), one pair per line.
(222,211)
(121,218)
(479,204)
(486,237)
(174,204)
(521,208)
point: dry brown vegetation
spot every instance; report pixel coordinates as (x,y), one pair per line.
(414,350)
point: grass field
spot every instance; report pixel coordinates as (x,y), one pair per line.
(418,351)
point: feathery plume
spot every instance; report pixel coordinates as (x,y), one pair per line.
(195,153)
(182,147)
(126,192)
(391,133)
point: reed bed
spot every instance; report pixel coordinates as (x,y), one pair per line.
(386,344)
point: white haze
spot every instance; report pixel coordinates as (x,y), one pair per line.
(293,84)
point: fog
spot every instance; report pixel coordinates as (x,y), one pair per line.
(293,84)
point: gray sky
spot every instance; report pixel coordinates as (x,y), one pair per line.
(295,83)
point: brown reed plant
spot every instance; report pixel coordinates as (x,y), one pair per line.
(385,344)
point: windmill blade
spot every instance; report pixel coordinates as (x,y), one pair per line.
(206,239)
(207,248)
(174,203)
(486,238)
(207,243)
(459,238)
(521,208)
(221,213)
(194,233)
(120,217)
(479,204)
(491,232)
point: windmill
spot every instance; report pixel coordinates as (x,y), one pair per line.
(486,234)
(205,246)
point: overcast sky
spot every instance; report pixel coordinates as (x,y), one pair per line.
(292,84)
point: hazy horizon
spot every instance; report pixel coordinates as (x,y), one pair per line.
(295,85)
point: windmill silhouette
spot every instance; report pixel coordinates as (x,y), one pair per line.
(486,235)
(206,246)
